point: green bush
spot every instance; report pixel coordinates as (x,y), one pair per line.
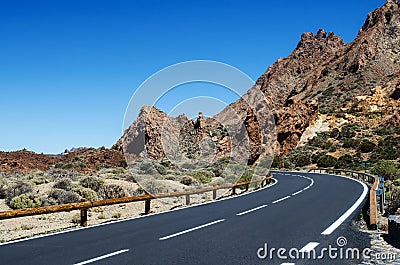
(247,175)
(26,200)
(188,166)
(76,219)
(63,196)
(166,163)
(64,183)
(59,165)
(57,173)
(80,165)
(319,140)
(123,163)
(315,157)
(86,193)
(203,176)
(17,188)
(277,162)
(386,169)
(328,146)
(347,161)
(186,180)
(334,133)
(387,149)
(91,182)
(383,131)
(350,143)
(160,169)
(3,187)
(148,167)
(366,146)
(396,182)
(301,160)
(348,131)
(394,203)
(218,167)
(388,16)
(326,161)
(111,191)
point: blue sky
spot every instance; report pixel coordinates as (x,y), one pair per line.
(68,68)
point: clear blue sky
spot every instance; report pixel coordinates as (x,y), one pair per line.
(68,68)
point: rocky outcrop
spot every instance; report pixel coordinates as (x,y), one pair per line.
(323,74)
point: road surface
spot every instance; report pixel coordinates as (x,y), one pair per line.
(303,211)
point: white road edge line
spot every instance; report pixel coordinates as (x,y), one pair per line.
(309,247)
(252,210)
(287,197)
(288,264)
(102,257)
(300,191)
(191,229)
(342,218)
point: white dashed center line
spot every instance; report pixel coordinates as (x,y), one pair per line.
(252,210)
(191,229)
(102,257)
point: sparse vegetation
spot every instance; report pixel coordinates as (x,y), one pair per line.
(17,188)
(26,200)
(86,193)
(76,219)
(63,196)
(101,216)
(366,146)
(111,191)
(386,169)
(27,227)
(116,215)
(301,160)
(203,176)
(64,184)
(327,161)
(91,182)
(187,180)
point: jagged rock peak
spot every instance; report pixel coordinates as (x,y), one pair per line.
(382,16)
(308,39)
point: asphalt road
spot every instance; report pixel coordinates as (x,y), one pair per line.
(303,212)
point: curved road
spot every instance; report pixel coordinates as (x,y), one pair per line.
(303,211)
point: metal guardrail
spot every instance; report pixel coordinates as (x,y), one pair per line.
(371,180)
(85,205)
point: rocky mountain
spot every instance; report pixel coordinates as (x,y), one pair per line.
(323,75)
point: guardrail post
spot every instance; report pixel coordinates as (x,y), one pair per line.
(147,206)
(84,217)
(187,199)
(247,187)
(234,190)
(214,194)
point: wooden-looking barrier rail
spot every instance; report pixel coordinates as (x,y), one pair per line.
(85,205)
